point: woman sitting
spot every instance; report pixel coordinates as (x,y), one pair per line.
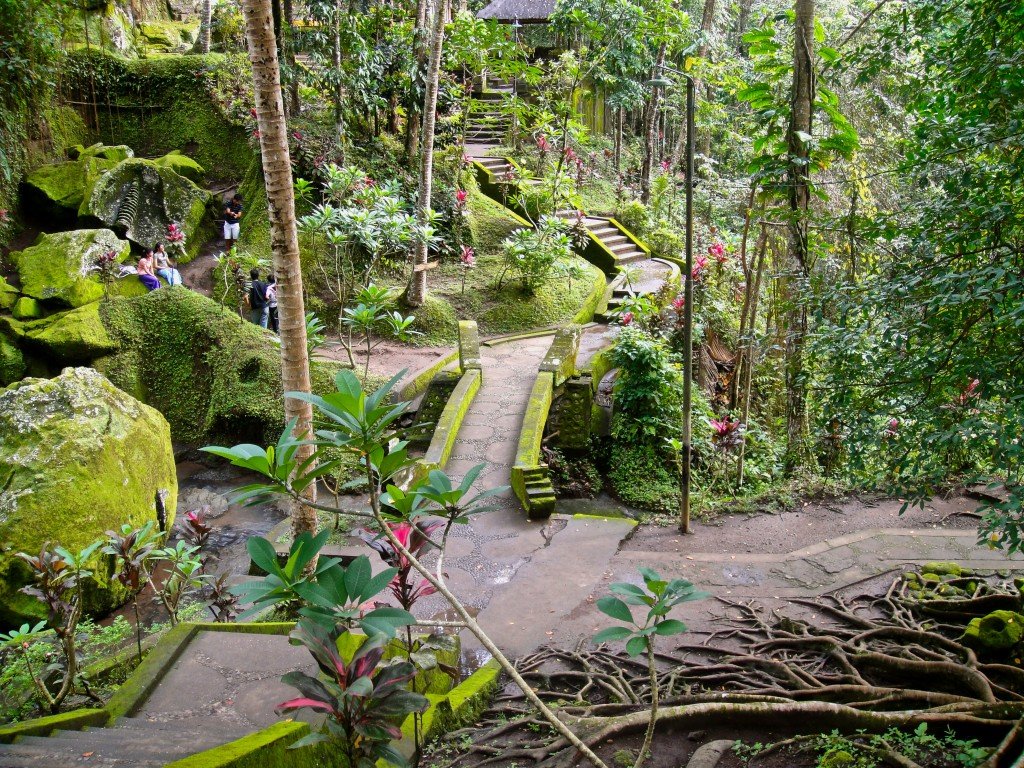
(165,267)
(146,272)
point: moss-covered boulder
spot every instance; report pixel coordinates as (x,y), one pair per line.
(60,270)
(76,336)
(999,631)
(141,198)
(60,191)
(8,294)
(12,362)
(214,376)
(166,35)
(78,457)
(26,308)
(183,165)
(115,152)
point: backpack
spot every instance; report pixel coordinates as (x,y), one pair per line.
(257,295)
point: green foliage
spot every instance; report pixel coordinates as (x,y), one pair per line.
(639,475)
(531,254)
(659,597)
(635,217)
(918,746)
(648,388)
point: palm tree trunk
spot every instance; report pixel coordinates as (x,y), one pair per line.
(798,268)
(416,293)
(204,26)
(284,239)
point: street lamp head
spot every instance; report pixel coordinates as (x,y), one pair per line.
(660,82)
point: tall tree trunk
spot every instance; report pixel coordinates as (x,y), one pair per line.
(339,117)
(742,22)
(292,105)
(416,293)
(707,28)
(413,117)
(284,240)
(205,22)
(650,129)
(798,268)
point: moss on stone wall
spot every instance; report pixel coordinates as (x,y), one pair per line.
(214,376)
(161,104)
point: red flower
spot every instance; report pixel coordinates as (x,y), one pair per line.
(699,265)
(252,113)
(727,433)
(467,256)
(627,318)
(678,302)
(893,429)
(460,197)
(255,134)
(717,250)
(542,143)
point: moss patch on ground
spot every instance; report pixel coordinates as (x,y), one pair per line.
(215,376)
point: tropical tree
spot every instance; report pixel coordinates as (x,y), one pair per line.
(284,239)
(416,293)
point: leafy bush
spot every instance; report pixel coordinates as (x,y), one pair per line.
(666,242)
(648,390)
(635,217)
(532,253)
(640,476)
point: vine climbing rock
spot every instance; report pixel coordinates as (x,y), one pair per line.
(60,268)
(77,457)
(141,198)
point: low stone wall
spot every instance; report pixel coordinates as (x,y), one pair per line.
(530,481)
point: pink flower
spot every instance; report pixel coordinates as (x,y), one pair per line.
(627,318)
(569,154)
(467,256)
(174,233)
(542,143)
(665,165)
(296,135)
(699,265)
(678,302)
(727,433)
(892,429)
(460,197)
(717,250)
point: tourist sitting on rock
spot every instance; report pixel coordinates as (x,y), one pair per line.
(165,267)
(272,301)
(232,219)
(146,272)
(258,304)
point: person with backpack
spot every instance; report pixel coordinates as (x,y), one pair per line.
(272,301)
(258,304)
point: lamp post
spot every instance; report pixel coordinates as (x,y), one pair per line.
(687,446)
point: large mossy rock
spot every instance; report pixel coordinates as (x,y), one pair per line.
(8,294)
(59,268)
(115,152)
(183,165)
(167,36)
(78,457)
(215,376)
(72,337)
(61,191)
(141,198)
(12,362)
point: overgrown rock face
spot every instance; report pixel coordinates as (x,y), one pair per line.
(77,457)
(60,191)
(12,362)
(73,337)
(60,268)
(141,198)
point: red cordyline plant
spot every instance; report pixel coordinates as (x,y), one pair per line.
(415,538)
(700,263)
(364,703)
(460,198)
(727,433)
(717,251)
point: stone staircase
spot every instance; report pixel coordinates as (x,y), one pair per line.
(129,743)
(499,166)
(611,235)
(540,493)
(485,122)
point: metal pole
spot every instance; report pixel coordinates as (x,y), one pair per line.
(684,500)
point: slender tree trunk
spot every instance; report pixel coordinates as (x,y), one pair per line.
(204,26)
(798,268)
(284,240)
(650,129)
(416,293)
(293,106)
(707,28)
(413,118)
(339,118)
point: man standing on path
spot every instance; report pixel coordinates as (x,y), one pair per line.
(258,300)
(232,221)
